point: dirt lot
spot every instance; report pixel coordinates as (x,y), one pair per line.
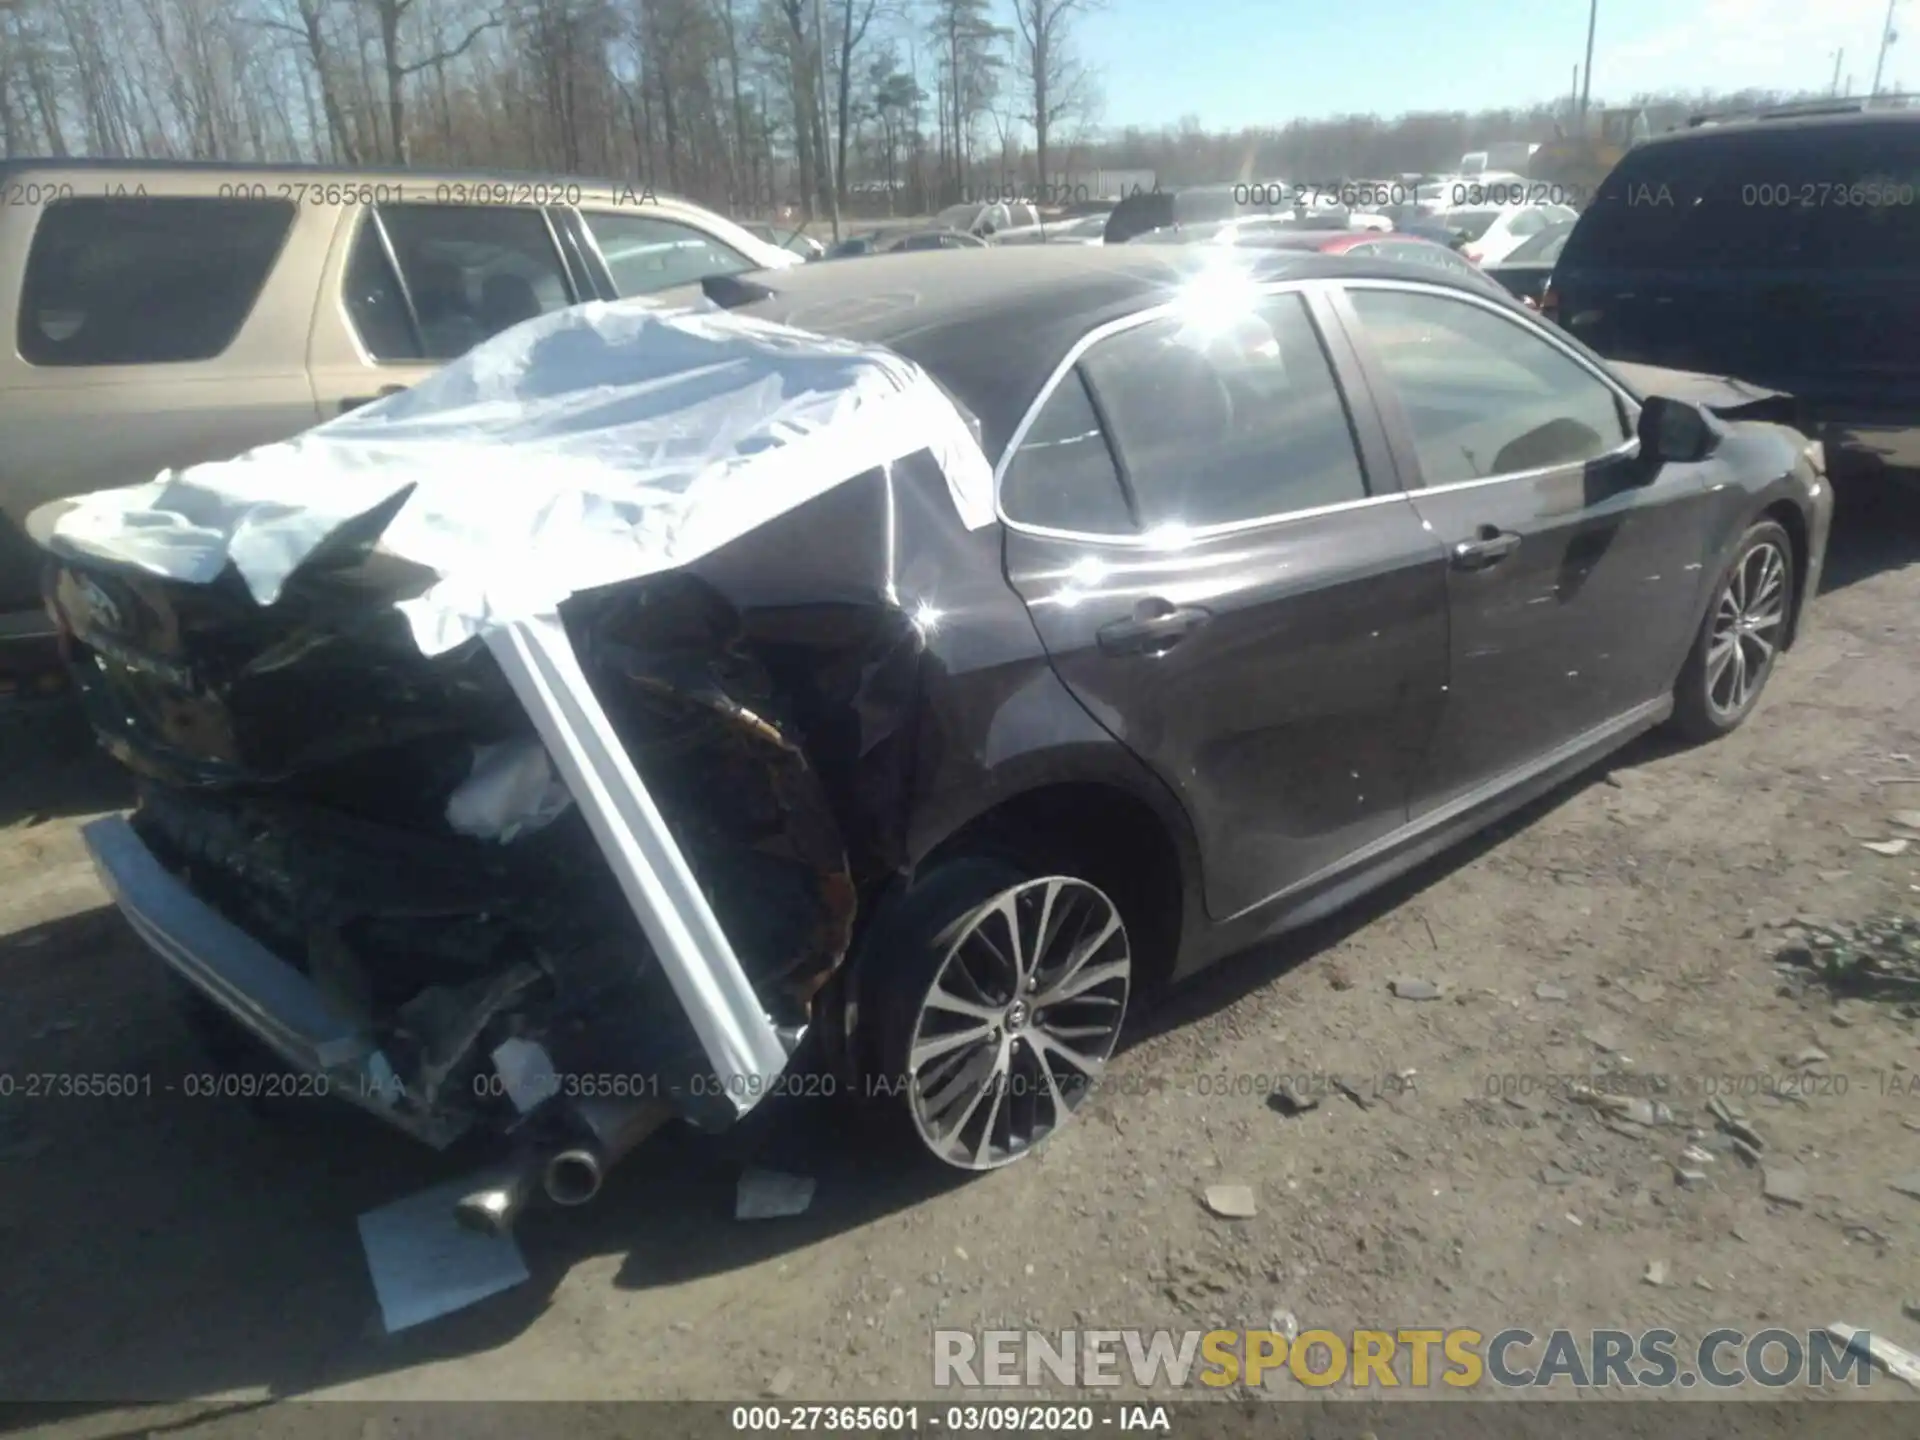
(181,1250)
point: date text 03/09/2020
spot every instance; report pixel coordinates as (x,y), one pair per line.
(962,1419)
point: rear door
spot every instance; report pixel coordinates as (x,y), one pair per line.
(147,331)
(1203,521)
(1573,569)
(413,286)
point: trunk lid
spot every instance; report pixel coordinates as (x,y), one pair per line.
(200,684)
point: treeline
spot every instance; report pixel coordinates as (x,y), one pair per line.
(748,105)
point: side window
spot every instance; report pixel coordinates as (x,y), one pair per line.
(1870,217)
(646,253)
(1483,395)
(1527,222)
(1216,424)
(375,302)
(1063,477)
(145,281)
(472,271)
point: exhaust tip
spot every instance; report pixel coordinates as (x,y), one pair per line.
(493,1207)
(573,1177)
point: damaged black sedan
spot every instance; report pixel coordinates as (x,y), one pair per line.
(917,658)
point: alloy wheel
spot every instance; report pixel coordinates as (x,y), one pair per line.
(1747,623)
(1021,1017)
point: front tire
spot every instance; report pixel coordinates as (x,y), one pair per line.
(1740,639)
(998,998)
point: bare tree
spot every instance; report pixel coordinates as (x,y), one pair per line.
(389,17)
(1057,86)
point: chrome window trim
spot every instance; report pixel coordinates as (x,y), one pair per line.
(1161,539)
(1626,449)
(1158,539)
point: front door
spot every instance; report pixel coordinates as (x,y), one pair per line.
(1572,567)
(1211,547)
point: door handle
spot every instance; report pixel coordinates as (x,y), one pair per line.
(354,402)
(1155,627)
(1489,546)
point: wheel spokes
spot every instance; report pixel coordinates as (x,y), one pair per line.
(1019,1021)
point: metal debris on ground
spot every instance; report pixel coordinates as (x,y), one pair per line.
(425,1264)
(1408,988)
(1899,1363)
(1656,1272)
(1547,990)
(780,1382)
(771,1195)
(1286,1323)
(1878,958)
(1231,1202)
(1784,1183)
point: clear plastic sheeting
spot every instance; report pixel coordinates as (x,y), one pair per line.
(582,448)
(511,791)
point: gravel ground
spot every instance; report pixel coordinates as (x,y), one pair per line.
(177,1250)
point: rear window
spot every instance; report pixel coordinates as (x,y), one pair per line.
(145,281)
(1743,200)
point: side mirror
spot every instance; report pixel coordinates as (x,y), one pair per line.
(1676,432)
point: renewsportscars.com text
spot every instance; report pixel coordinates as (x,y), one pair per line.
(1415,1358)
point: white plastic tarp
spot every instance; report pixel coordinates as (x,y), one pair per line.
(590,446)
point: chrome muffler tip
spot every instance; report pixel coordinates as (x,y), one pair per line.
(494,1206)
(574,1176)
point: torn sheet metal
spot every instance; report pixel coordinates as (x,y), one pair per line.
(739,1039)
(589,446)
(425,1264)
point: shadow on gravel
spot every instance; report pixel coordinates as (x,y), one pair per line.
(162,1246)
(50,766)
(1876,527)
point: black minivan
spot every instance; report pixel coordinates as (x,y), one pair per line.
(1782,250)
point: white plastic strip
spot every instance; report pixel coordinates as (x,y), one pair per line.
(739,1039)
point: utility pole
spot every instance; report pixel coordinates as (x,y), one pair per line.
(1887,36)
(826,119)
(1586,72)
(1838,55)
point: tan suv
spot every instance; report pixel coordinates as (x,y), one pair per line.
(166,313)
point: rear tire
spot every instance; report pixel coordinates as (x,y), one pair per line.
(1733,655)
(996,997)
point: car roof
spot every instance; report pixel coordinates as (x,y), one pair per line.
(1779,124)
(992,324)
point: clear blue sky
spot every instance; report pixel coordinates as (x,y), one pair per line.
(1263,62)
